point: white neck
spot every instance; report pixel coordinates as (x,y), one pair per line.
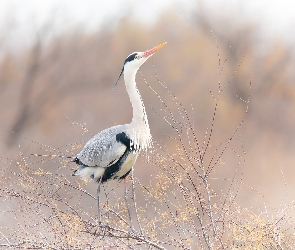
(139,125)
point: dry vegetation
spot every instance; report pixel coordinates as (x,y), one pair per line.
(203,169)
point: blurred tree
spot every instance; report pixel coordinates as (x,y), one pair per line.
(71,75)
(26,111)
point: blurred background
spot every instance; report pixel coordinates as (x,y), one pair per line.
(60,59)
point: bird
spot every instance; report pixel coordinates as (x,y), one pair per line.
(112,153)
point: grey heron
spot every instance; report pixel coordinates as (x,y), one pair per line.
(112,153)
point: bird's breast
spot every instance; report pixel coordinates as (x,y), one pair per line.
(127,165)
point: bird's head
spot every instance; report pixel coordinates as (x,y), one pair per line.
(136,59)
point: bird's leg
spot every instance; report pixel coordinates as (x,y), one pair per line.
(98,201)
(134,201)
(127,207)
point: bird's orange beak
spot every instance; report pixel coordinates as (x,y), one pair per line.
(153,50)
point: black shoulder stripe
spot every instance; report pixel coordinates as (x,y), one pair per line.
(124,139)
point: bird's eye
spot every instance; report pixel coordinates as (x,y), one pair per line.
(137,57)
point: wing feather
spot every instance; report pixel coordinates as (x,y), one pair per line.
(103,149)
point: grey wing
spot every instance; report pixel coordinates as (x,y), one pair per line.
(103,149)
